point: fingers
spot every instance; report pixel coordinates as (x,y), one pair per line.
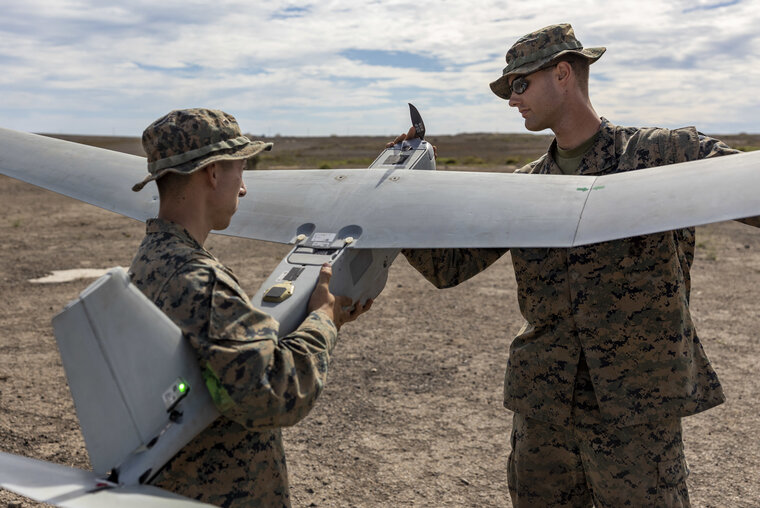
(325,273)
(361,309)
(347,311)
(321,298)
(401,137)
(338,308)
(344,302)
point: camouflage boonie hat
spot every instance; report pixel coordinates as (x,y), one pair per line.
(186,140)
(539,49)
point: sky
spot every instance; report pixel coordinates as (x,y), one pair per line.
(335,67)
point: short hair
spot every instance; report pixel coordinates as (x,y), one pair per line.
(580,65)
(171,183)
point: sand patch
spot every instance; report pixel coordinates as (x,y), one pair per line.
(59,276)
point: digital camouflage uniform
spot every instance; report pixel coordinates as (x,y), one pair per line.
(608,347)
(258,383)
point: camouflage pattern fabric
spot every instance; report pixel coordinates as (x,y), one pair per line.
(637,465)
(447,268)
(540,49)
(185,140)
(258,383)
(623,303)
(608,359)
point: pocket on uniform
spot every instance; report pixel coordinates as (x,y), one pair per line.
(673,472)
(672,483)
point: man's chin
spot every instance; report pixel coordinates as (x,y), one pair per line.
(221,226)
(533,126)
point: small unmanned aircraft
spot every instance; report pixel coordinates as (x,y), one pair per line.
(137,412)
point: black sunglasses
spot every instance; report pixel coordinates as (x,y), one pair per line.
(520,83)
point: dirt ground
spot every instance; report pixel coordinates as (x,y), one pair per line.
(412,413)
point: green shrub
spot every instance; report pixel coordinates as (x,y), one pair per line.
(472,160)
(514,161)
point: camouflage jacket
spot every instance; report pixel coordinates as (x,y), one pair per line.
(623,304)
(259,383)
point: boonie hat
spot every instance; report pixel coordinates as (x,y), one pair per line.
(186,140)
(538,49)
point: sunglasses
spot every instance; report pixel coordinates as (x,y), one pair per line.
(520,83)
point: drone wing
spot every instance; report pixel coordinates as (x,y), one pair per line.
(74,488)
(395,208)
(103,178)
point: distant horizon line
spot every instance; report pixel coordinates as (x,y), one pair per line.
(274,136)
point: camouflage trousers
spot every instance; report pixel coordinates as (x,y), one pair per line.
(590,462)
(229,466)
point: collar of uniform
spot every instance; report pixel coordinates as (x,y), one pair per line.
(551,167)
(172,228)
(598,159)
(601,156)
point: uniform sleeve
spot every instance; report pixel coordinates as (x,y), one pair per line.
(446,268)
(254,378)
(711,147)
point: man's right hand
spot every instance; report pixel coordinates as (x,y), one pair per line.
(409,135)
(340,309)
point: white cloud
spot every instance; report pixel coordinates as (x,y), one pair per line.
(88,67)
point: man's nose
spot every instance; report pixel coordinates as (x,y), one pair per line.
(243,190)
(513,100)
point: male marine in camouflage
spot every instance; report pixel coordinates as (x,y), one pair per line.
(608,361)
(258,383)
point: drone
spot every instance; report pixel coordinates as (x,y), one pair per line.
(136,411)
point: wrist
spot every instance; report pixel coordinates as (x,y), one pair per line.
(328,314)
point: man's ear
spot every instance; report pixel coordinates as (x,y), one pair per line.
(563,71)
(211,173)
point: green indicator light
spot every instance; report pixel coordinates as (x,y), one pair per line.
(182,387)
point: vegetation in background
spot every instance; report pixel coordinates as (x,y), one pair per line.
(461,152)
(742,141)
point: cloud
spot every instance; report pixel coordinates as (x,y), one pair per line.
(334,67)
